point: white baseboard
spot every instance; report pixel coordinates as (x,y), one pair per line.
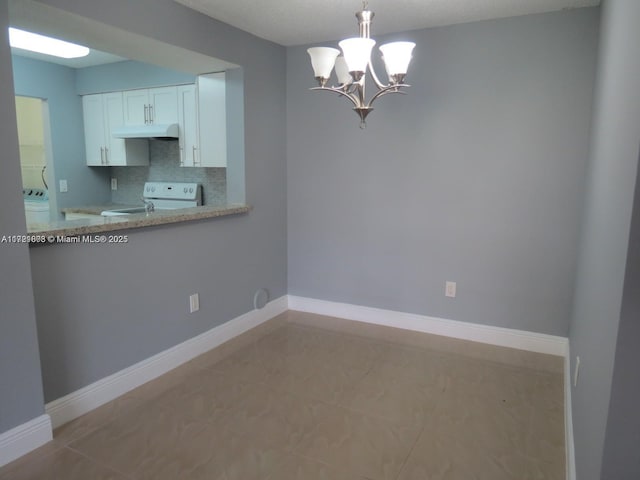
(26,437)
(98,393)
(570,451)
(504,337)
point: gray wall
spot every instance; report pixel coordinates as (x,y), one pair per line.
(605,231)
(101,308)
(475,176)
(621,459)
(20,378)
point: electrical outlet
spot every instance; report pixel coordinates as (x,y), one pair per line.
(194,303)
(63,186)
(450,289)
(114,184)
(576,372)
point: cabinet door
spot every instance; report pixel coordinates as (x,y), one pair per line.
(188,122)
(212,114)
(164,105)
(113,118)
(136,107)
(93,129)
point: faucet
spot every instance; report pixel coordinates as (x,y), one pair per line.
(148,205)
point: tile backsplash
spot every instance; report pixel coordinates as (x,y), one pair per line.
(164,166)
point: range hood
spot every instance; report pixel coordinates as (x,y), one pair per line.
(147,131)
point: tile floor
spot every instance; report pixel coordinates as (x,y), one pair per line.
(348,401)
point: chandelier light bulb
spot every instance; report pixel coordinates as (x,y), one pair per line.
(342,71)
(357,53)
(397,56)
(322,61)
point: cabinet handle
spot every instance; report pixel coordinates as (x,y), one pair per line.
(193,152)
(106,156)
(101,155)
(146,114)
(151,114)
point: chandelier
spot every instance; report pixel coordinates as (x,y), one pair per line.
(351,66)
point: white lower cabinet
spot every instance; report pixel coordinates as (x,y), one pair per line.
(102,113)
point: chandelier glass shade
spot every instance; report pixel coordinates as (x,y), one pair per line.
(352,63)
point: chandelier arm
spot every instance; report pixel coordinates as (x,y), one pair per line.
(387,90)
(339,91)
(378,83)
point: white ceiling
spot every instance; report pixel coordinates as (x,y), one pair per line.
(298,22)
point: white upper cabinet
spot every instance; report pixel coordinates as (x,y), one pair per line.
(188,122)
(151,106)
(212,118)
(94,136)
(102,113)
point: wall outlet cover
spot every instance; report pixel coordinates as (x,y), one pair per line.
(450,289)
(194,303)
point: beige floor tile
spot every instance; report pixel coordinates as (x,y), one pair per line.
(453,457)
(420,365)
(145,442)
(295,467)
(279,419)
(96,418)
(363,445)
(292,401)
(325,378)
(255,458)
(396,398)
(62,464)
(208,396)
(33,456)
(250,364)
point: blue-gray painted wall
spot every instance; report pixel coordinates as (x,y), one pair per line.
(21,396)
(476,128)
(621,459)
(475,176)
(100,310)
(613,164)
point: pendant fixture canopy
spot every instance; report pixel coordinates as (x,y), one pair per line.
(352,64)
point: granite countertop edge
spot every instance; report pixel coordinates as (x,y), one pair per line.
(124,222)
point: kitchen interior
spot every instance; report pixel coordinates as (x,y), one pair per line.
(96,129)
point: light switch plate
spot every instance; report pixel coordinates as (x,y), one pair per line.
(63,186)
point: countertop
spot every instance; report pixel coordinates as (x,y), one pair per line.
(99,224)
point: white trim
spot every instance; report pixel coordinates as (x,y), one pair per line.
(98,393)
(570,451)
(504,337)
(22,439)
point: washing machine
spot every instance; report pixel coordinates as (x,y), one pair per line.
(36,205)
